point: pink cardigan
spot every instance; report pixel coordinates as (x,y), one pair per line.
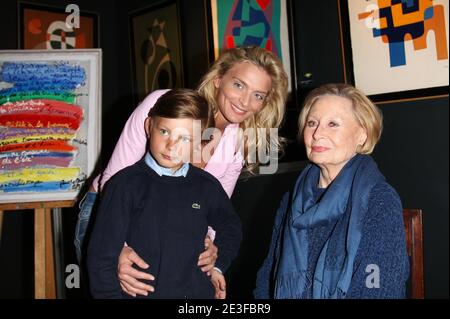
(225,164)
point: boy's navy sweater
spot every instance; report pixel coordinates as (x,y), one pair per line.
(165,220)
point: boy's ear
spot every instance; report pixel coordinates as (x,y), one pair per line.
(148,125)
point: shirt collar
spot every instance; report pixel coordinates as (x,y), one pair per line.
(150,161)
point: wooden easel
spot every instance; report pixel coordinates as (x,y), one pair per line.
(44,261)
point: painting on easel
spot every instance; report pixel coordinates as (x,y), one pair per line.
(49,123)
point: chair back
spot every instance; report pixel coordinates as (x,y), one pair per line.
(412,219)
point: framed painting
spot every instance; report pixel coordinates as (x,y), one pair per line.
(50,122)
(156,48)
(396,49)
(43,27)
(264,23)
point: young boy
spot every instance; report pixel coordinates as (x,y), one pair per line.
(162,206)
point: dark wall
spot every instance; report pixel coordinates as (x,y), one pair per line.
(256,199)
(413,152)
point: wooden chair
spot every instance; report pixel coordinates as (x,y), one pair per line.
(413,227)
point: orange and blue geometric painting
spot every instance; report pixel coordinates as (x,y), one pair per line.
(249,22)
(408,20)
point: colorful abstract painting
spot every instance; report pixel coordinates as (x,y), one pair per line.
(156,49)
(399,45)
(49,123)
(43,27)
(262,23)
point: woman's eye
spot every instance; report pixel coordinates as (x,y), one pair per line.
(238,85)
(259,97)
(311,123)
(163,132)
(333,124)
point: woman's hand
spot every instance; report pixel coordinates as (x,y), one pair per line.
(128,276)
(207,259)
(218,280)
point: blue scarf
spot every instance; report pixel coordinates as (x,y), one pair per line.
(344,205)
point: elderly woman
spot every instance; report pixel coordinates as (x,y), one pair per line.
(339,233)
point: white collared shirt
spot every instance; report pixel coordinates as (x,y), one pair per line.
(160,170)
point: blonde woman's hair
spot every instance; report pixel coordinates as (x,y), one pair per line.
(272,113)
(367,114)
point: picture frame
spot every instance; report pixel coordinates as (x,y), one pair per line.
(156,48)
(50,122)
(43,27)
(269,26)
(398,51)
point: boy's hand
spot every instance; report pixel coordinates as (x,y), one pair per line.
(218,280)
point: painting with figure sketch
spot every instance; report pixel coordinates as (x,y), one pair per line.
(49,123)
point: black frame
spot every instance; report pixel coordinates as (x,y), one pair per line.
(22,5)
(138,96)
